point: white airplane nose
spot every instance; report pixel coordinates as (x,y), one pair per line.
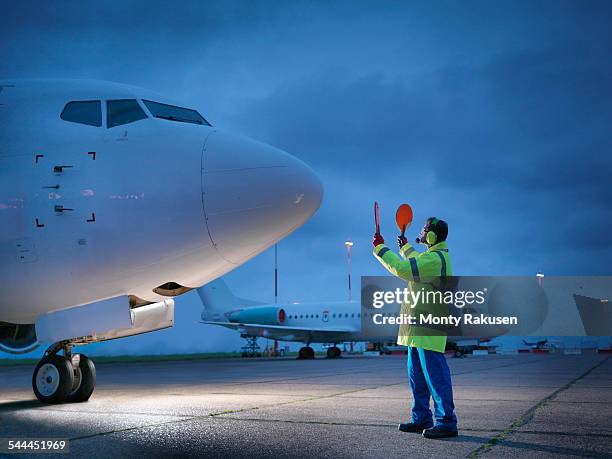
(253,195)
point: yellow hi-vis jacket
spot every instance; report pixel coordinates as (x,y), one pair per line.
(421,270)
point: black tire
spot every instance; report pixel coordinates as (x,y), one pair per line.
(53,379)
(87,371)
(333,352)
(306,353)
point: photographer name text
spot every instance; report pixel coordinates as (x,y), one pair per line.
(450,320)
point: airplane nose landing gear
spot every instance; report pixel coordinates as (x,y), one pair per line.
(53,379)
(86,372)
(63,378)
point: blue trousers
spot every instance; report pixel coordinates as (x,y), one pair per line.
(429,376)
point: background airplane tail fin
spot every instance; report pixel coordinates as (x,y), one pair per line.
(218,300)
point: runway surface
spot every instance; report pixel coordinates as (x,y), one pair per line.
(517,406)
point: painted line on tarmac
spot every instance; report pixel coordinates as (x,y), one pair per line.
(336,423)
(218,414)
(306,399)
(386,426)
(528,415)
(367,372)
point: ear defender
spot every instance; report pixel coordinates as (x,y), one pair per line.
(431,237)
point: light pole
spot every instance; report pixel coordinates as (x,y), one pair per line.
(349,244)
(540,277)
(275,273)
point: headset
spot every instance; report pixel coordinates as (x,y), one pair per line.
(429,232)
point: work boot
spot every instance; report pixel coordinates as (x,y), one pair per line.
(412,427)
(439,432)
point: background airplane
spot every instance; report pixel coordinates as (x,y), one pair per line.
(536,344)
(545,344)
(311,322)
(113,201)
(333,323)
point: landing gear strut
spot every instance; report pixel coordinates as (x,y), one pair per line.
(333,352)
(306,353)
(251,348)
(63,378)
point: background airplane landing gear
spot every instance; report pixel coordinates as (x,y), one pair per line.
(67,378)
(333,352)
(306,352)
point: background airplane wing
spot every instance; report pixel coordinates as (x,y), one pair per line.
(283,333)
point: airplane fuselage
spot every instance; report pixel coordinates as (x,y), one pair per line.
(148,208)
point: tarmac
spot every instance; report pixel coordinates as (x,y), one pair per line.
(508,406)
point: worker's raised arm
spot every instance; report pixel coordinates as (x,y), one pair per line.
(407,251)
(394,264)
(412,268)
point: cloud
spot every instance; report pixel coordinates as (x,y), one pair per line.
(493,116)
(516,144)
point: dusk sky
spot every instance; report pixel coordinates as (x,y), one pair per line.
(495,116)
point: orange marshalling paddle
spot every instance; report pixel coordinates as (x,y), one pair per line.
(403,217)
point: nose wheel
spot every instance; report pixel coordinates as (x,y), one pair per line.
(53,379)
(85,380)
(64,378)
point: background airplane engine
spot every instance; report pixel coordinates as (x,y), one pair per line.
(265,315)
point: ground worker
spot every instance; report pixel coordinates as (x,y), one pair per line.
(428,372)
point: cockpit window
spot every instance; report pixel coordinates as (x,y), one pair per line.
(173,113)
(84,112)
(123,111)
